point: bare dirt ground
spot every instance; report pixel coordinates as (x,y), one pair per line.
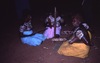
(12,50)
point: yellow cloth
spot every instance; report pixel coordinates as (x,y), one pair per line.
(90,35)
(76,49)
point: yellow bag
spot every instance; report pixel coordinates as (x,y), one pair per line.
(76,50)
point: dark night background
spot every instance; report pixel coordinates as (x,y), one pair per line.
(11,10)
(11,13)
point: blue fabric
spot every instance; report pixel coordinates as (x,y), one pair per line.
(39,36)
(34,40)
(29,32)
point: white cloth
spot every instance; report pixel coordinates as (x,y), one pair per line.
(49,32)
(58,29)
(22,28)
(79,34)
(51,18)
(58,18)
(85,25)
(25,27)
(58,21)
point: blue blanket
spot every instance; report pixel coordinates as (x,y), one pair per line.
(33,40)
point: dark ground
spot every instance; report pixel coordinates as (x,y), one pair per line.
(12,50)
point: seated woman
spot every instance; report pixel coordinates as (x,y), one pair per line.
(27,34)
(78,45)
(50,25)
(49,32)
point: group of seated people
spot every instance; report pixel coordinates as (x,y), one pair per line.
(77,45)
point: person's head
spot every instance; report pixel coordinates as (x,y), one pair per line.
(50,14)
(76,20)
(28,17)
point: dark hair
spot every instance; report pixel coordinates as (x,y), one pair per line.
(26,12)
(78,17)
